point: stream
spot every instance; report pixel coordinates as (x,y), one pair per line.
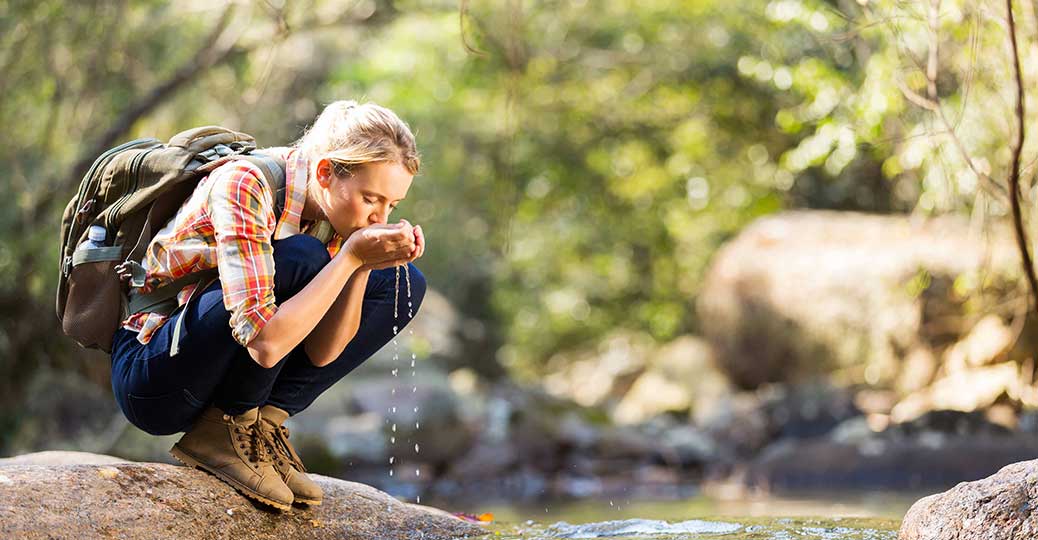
(819,517)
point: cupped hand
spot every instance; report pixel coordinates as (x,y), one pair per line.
(384,246)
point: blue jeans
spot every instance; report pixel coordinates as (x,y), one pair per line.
(163,395)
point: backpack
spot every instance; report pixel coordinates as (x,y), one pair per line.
(132,190)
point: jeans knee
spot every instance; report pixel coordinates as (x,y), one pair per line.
(298,258)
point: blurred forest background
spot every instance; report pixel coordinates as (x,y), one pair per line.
(689,231)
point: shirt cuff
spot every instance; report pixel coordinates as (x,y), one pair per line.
(249,323)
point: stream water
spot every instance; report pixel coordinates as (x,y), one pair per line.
(825,517)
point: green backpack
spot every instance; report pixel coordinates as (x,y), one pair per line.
(132,190)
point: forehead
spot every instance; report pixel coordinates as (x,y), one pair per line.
(389,179)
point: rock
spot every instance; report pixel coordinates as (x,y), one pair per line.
(989,340)
(686,446)
(680,377)
(949,422)
(930,460)
(918,370)
(751,420)
(594,377)
(1001,506)
(633,379)
(740,425)
(651,394)
(60,457)
(152,500)
(968,389)
(815,293)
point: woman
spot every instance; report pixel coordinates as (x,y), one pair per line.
(294,309)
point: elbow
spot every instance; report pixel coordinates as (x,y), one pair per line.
(263,354)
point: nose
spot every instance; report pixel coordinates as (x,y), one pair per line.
(380,216)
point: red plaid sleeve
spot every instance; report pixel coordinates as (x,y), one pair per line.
(241,210)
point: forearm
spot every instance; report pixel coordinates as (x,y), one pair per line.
(297,316)
(340,323)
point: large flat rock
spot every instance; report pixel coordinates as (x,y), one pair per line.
(1001,506)
(151,500)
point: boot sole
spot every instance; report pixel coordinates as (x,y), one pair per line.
(189,460)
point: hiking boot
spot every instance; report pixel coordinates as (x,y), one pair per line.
(286,461)
(235,450)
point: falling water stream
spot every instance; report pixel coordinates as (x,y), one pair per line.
(396,368)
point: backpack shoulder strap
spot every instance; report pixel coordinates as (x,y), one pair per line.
(273,169)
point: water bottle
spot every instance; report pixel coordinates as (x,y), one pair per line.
(95,237)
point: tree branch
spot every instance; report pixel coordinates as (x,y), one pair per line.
(932,102)
(1014,171)
(206,57)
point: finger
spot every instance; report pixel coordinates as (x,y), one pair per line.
(420,240)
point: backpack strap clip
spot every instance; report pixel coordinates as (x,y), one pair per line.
(222,150)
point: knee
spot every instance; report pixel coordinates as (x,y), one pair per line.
(299,257)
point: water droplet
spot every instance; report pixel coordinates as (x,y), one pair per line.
(392,440)
(416,425)
(610,503)
(415,389)
(418,499)
(393,409)
(416,448)
(416,409)
(395,330)
(394,428)
(390,472)
(393,391)
(391,459)
(417,472)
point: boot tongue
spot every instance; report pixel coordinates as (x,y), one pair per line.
(273,414)
(248,417)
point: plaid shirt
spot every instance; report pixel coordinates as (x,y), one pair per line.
(228,223)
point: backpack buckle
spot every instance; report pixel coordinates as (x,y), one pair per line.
(133,272)
(217,152)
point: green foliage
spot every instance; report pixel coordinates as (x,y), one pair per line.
(582,160)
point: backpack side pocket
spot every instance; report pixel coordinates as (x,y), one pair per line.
(94,307)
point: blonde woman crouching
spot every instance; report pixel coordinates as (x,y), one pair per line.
(302,299)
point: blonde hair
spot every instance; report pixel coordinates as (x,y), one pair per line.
(351,134)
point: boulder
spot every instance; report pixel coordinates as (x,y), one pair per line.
(930,460)
(1001,506)
(848,295)
(681,377)
(154,500)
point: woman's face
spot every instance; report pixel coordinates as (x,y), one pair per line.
(364,198)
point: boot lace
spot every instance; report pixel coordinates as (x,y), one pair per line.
(254,442)
(280,447)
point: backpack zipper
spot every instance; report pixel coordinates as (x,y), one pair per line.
(99,163)
(135,173)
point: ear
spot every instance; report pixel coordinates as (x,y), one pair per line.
(323,172)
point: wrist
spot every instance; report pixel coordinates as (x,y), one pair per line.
(351,260)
